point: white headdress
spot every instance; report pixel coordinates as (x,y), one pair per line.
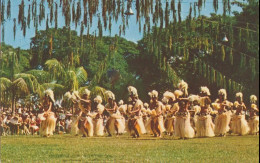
(74,95)
(223,92)
(183,86)
(146,105)
(121,102)
(168,95)
(67,95)
(178,93)
(194,98)
(110,95)
(205,90)
(98,99)
(132,91)
(85,92)
(100,108)
(153,93)
(50,93)
(239,94)
(253,99)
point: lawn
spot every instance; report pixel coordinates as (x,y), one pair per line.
(67,148)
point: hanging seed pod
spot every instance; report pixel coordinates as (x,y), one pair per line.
(170,43)
(100,33)
(247,36)
(110,25)
(229,85)
(223,53)
(3,32)
(50,46)
(204,70)
(78,14)
(166,18)
(21,12)
(29,17)
(120,30)
(51,13)
(208,73)
(242,61)
(14,28)
(56,16)
(179,11)
(47,23)
(8,12)
(224,82)
(240,35)
(252,62)
(194,9)
(81,29)
(24,27)
(231,58)
(215,4)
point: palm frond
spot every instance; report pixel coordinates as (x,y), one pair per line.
(41,75)
(20,86)
(5,83)
(55,68)
(82,75)
(30,80)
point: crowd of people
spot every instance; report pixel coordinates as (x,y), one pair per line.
(177,114)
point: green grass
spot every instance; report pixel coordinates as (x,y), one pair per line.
(66,148)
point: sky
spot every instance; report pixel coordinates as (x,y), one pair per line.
(132,32)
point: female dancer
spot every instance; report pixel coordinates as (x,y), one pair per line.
(182,126)
(135,121)
(254,116)
(85,123)
(48,119)
(115,122)
(168,98)
(203,120)
(99,118)
(239,124)
(155,124)
(224,115)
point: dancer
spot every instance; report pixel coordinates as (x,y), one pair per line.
(85,123)
(182,126)
(239,124)
(254,116)
(224,115)
(48,119)
(155,124)
(168,98)
(135,121)
(99,118)
(116,122)
(203,120)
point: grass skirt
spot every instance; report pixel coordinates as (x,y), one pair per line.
(116,121)
(222,123)
(99,127)
(239,125)
(254,125)
(204,126)
(155,125)
(74,126)
(48,125)
(137,124)
(89,127)
(182,127)
(169,124)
